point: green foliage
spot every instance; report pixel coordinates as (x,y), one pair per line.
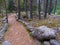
(58,13)
(34,7)
(50,10)
(1,4)
(58,7)
(11,6)
(23,6)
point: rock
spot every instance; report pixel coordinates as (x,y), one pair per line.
(27,24)
(4,28)
(56,29)
(19,20)
(43,33)
(54,42)
(1,37)
(30,28)
(37,42)
(46,43)
(6,43)
(4,20)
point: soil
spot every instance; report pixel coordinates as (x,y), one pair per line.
(17,34)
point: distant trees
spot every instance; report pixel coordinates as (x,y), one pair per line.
(1,6)
(25,5)
(11,6)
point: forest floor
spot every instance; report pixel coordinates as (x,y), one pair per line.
(17,34)
(50,21)
(1,24)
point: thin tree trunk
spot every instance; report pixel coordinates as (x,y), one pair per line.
(31,2)
(19,10)
(26,8)
(50,6)
(44,4)
(46,8)
(39,9)
(6,11)
(55,4)
(0,9)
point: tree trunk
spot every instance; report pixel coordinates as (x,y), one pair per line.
(6,11)
(50,6)
(46,8)
(31,2)
(39,9)
(19,16)
(26,8)
(55,4)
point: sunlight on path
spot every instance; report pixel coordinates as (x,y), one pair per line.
(17,34)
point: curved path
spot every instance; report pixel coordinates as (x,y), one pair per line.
(17,34)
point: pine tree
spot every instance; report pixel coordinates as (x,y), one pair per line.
(50,7)
(26,8)
(31,7)
(55,4)
(6,11)
(10,5)
(39,9)
(18,9)
(46,8)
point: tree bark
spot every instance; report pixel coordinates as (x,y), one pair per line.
(46,8)
(31,7)
(55,4)
(6,11)
(50,6)
(26,8)
(19,10)
(39,9)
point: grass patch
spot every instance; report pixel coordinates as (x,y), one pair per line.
(1,16)
(50,22)
(57,10)
(58,7)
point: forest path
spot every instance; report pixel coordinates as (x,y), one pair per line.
(17,34)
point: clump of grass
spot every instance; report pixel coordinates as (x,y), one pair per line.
(53,22)
(1,16)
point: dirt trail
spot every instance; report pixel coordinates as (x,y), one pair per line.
(17,34)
